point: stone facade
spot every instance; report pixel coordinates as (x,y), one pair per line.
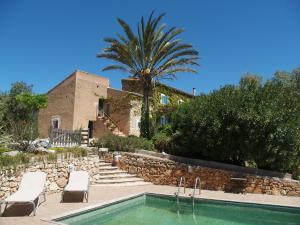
(60,105)
(135,117)
(57,174)
(167,172)
(157,109)
(89,88)
(74,101)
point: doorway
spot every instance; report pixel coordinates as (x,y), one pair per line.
(91,128)
(100,106)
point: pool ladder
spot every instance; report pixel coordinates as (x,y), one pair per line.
(181,182)
(197,182)
(197,186)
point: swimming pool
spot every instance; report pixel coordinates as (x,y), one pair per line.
(153,209)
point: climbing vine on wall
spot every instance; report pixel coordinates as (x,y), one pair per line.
(159,109)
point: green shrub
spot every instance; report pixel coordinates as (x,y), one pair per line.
(19,159)
(162,138)
(127,144)
(67,151)
(57,149)
(254,121)
(2,150)
(24,158)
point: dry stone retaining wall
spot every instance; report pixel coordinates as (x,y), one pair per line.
(57,174)
(167,172)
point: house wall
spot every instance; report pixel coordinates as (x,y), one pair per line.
(74,101)
(60,104)
(156,108)
(135,117)
(89,88)
(120,109)
(100,129)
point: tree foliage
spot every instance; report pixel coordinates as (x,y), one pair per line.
(151,53)
(18,112)
(252,122)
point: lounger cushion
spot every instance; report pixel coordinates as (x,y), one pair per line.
(78,181)
(31,186)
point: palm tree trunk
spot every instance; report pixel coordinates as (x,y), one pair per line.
(145,119)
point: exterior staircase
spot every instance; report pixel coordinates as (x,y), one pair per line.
(112,176)
(111,125)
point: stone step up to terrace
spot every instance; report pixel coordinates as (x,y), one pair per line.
(107,168)
(116,176)
(111,125)
(104,165)
(112,172)
(112,176)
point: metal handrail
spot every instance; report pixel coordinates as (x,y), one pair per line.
(182,179)
(197,181)
(113,122)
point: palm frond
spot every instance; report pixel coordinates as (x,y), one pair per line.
(115,67)
(152,47)
(127,30)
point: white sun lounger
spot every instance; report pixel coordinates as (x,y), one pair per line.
(30,189)
(78,182)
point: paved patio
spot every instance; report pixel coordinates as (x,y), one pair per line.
(52,207)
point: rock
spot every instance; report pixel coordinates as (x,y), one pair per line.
(11,178)
(41,143)
(61,182)
(96,177)
(11,153)
(51,151)
(275,191)
(13,184)
(42,149)
(53,186)
(292,193)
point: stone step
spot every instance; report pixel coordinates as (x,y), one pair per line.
(116,176)
(112,172)
(120,180)
(104,164)
(124,184)
(105,168)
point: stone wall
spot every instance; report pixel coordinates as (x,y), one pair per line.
(57,174)
(89,88)
(74,101)
(60,105)
(167,172)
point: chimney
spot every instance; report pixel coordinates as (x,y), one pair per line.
(194,92)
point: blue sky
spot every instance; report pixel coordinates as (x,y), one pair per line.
(42,42)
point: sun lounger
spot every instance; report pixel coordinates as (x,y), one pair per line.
(78,182)
(31,188)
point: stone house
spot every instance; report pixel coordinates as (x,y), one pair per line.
(86,101)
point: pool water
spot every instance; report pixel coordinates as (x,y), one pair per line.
(152,209)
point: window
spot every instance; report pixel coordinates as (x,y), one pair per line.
(55,123)
(164,99)
(180,101)
(164,120)
(137,123)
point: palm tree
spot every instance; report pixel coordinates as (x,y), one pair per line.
(148,55)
